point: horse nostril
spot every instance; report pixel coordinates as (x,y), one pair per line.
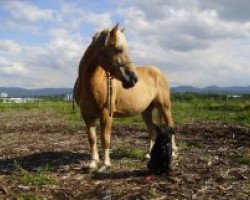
(132,76)
(135,79)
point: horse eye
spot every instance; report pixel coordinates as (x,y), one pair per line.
(118,50)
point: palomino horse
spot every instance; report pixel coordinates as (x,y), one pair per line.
(134,90)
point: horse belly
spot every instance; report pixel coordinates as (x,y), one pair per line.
(132,103)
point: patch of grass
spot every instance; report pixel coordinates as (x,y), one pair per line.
(137,119)
(74,119)
(153,192)
(39,178)
(18,106)
(240,159)
(127,163)
(36,179)
(18,166)
(186,108)
(30,197)
(184,145)
(233,112)
(127,152)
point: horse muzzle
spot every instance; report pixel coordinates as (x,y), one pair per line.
(129,79)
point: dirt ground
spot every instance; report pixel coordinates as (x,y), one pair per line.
(207,167)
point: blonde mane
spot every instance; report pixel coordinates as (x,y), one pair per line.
(92,50)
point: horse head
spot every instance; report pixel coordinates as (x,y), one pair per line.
(113,56)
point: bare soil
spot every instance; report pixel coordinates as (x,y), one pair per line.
(207,166)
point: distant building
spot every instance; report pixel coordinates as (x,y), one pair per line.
(68,97)
(18,100)
(3,95)
(234,96)
(15,100)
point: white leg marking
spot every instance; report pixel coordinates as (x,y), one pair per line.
(174,148)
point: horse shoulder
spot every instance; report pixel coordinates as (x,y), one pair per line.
(98,86)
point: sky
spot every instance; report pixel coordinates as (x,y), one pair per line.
(194,42)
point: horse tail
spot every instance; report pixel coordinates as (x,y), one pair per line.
(73,97)
(73,102)
(158,117)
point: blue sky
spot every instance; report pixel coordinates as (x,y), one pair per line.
(198,43)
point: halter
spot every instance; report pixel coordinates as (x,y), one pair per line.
(110,85)
(117,65)
(110,92)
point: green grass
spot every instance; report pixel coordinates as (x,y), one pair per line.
(153,192)
(130,120)
(17,106)
(240,159)
(34,178)
(231,112)
(193,108)
(134,153)
(127,163)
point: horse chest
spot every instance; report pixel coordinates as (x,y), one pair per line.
(94,97)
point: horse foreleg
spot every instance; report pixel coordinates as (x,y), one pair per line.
(106,125)
(148,119)
(91,131)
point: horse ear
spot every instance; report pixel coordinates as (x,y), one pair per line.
(110,35)
(113,31)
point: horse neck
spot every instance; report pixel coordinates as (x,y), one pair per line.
(88,65)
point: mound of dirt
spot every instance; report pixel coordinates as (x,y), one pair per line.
(213,161)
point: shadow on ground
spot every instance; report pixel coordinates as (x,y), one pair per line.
(121,174)
(36,161)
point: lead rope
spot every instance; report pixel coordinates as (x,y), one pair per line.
(110,91)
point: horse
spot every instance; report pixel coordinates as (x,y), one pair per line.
(109,86)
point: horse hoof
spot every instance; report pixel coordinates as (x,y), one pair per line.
(174,155)
(104,169)
(93,165)
(147,156)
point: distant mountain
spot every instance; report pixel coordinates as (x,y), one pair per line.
(21,92)
(212,89)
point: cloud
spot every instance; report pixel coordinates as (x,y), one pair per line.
(9,45)
(24,11)
(51,63)
(194,45)
(73,17)
(14,68)
(194,42)
(181,28)
(228,9)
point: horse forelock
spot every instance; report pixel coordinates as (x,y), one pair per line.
(121,39)
(100,37)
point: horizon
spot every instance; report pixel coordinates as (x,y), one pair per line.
(209,86)
(196,43)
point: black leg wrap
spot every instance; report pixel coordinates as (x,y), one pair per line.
(161,153)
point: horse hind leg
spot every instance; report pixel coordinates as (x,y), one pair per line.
(165,113)
(147,116)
